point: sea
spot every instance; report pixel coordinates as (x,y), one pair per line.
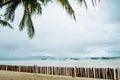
(104,62)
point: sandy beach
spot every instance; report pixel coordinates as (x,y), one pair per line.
(10,75)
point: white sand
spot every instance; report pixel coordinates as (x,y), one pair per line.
(9,75)
(66,63)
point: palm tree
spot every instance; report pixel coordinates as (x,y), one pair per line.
(32,7)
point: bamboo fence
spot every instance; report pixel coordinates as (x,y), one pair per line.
(101,73)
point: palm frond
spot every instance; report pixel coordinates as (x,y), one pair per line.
(23,21)
(81,2)
(4,23)
(1,1)
(94,2)
(30,26)
(27,21)
(45,2)
(38,8)
(10,11)
(35,8)
(68,7)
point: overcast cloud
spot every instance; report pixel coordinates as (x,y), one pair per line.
(95,33)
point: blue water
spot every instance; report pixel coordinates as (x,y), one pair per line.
(64,62)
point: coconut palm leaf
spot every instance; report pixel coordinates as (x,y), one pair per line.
(68,7)
(27,21)
(23,21)
(1,1)
(33,6)
(10,11)
(30,26)
(45,2)
(30,8)
(4,23)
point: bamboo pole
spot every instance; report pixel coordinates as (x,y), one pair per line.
(94,72)
(36,69)
(118,73)
(103,73)
(5,67)
(114,74)
(112,71)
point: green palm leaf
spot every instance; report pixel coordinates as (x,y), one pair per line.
(29,10)
(68,8)
(10,11)
(45,2)
(4,23)
(30,26)
(27,21)
(23,21)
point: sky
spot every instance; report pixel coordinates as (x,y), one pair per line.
(95,33)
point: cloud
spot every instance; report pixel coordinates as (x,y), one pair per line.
(95,33)
(109,11)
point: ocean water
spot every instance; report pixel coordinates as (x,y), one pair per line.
(63,62)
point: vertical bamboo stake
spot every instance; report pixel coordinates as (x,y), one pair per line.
(87,72)
(111,74)
(69,71)
(90,72)
(75,71)
(78,72)
(28,70)
(33,69)
(98,72)
(94,72)
(106,73)
(114,74)
(40,70)
(63,71)
(52,70)
(36,69)
(118,73)
(47,70)
(6,67)
(112,70)
(19,68)
(56,71)
(83,72)
(103,72)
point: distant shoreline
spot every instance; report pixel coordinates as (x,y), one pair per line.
(58,58)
